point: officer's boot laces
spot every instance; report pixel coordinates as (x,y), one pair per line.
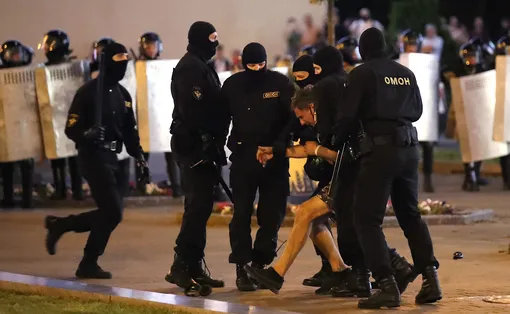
(202,275)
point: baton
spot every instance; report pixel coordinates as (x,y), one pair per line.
(336,169)
(99,92)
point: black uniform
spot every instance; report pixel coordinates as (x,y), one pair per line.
(259,104)
(384,95)
(56,45)
(97,153)
(199,130)
(15,54)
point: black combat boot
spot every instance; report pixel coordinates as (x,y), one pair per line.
(317,279)
(470,180)
(89,269)
(430,291)
(479,179)
(268,277)
(428,187)
(387,296)
(198,272)
(179,273)
(56,227)
(59,177)
(243,282)
(258,284)
(335,280)
(357,285)
(404,271)
(505,171)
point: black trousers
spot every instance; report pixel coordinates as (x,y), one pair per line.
(107,185)
(27,181)
(58,167)
(198,186)
(246,177)
(428,157)
(124,166)
(390,170)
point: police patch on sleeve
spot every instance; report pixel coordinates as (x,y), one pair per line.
(73,118)
(128,104)
(197,93)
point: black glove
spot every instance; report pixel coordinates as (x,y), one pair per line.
(95,134)
(142,171)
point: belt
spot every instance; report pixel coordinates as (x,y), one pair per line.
(383,140)
(109,145)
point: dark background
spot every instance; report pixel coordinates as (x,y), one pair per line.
(466,10)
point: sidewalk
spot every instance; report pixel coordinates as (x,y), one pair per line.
(141,251)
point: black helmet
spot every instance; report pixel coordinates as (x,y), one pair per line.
(503,45)
(471,56)
(56,45)
(98,46)
(13,53)
(307,50)
(488,50)
(410,40)
(147,39)
(348,47)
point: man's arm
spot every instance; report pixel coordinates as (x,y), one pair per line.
(347,114)
(75,128)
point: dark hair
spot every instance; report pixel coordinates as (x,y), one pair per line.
(303,98)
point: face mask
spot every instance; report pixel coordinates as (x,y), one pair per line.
(204,38)
(115,65)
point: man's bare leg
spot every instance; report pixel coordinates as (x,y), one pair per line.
(305,214)
(324,240)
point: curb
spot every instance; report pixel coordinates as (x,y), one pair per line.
(454,167)
(462,218)
(89,292)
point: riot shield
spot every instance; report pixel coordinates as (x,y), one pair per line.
(129,83)
(502,115)
(56,86)
(474,100)
(426,70)
(20,130)
(154,103)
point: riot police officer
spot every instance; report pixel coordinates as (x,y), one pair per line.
(348,46)
(97,48)
(150,46)
(199,129)
(98,143)
(14,54)
(258,101)
(307,50)
(56,48)
(475,57)
(384,95)
(503,45)
(411,42)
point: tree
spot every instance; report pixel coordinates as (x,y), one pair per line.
(331,10)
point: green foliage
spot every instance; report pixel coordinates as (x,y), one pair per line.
(415,14)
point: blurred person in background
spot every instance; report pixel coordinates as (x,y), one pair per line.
(56,48)
(363,23)
(505,27)
(432,43)
(293,36)
(237,62)
(14,54)
(457,31)
(221,63)
(479,30)
(311,32)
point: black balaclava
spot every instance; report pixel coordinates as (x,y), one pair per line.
(114,71)
(305,64)
(330,60)
(254,53)
(198,40)
(372,44)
